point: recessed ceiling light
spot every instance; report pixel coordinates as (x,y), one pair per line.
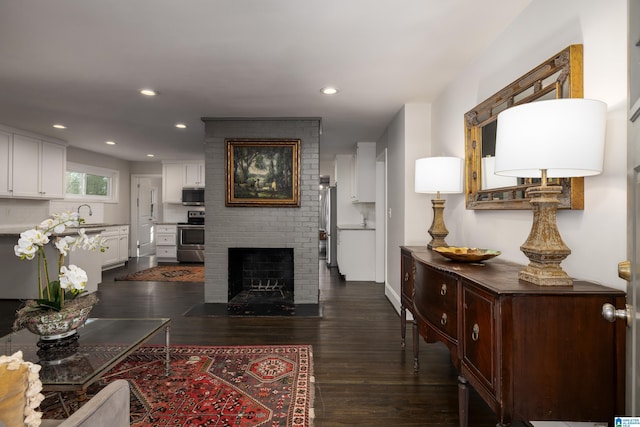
(110,142)
(59,126)
(181,126)
(150,155)
(148,92)
(329,90)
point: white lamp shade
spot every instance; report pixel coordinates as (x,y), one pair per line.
(564,136)
(438,174)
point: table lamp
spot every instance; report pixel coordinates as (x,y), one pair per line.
(558,138)
(438,175)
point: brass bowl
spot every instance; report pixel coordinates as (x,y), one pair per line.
(466,254)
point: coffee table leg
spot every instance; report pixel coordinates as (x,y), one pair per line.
(167,366)
(81,395)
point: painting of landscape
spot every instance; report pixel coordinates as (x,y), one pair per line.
(263,172)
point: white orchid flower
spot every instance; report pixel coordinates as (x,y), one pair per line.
(35,236)
(73,278)
(65,244)
(46,226)
(29,243)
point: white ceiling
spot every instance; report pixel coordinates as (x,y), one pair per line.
(82,62)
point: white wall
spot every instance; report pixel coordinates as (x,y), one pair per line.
(418,214)
(406,138)
(596,235)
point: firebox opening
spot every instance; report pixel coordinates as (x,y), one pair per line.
(260,276)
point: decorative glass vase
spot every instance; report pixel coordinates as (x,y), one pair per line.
(52,325)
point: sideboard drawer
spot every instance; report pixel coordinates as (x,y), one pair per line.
(479,343)
(436,301)
(442,297)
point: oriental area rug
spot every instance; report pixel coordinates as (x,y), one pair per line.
(168,273)
(237,386)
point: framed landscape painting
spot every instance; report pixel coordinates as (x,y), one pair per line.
(263,172)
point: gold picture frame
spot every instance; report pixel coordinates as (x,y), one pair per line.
(558,77)
(263,172)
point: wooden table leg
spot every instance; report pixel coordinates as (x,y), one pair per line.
(463,401)
(416,347)
(167,366)
(403,324)
(81,395)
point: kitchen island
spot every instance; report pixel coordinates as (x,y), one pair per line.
(20,277)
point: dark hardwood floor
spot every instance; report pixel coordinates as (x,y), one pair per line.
(363,376)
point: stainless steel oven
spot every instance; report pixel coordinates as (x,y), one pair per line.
(191,238)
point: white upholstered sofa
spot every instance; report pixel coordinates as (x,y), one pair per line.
(20,399)
(108,408)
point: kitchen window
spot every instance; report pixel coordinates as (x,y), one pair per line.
(91,183)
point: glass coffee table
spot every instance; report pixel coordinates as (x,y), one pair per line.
(101,344)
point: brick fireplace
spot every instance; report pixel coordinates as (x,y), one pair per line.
(294,229)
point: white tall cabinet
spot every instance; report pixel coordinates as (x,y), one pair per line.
(356,191)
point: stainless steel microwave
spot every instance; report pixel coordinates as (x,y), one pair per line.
(193,196)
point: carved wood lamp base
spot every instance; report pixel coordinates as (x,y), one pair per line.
(438,231)
(544,246)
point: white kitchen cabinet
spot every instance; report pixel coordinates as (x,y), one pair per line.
(166,241)
(6,166)
(172,182)
(194,174)
(176,175)
(123,243)
(53,165)
(111,240)
(26,173)
(356,252)
(117,240)
(38,168)
(363,181)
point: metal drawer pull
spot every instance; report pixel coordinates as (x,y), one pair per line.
(476,332)
(443,289)
(406,277)
(443,319)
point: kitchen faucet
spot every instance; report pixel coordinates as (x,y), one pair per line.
(84,204)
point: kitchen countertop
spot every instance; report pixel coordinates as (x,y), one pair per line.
(15,230)
(356,227)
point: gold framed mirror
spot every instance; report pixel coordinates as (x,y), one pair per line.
(558,77)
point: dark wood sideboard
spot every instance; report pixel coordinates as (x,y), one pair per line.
(531,352)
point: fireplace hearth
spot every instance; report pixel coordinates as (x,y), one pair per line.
(261,279)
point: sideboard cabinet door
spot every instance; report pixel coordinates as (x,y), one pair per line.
(479,343)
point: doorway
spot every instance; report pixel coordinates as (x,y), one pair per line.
(145,213)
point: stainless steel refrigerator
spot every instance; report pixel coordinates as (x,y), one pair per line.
(328,223)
